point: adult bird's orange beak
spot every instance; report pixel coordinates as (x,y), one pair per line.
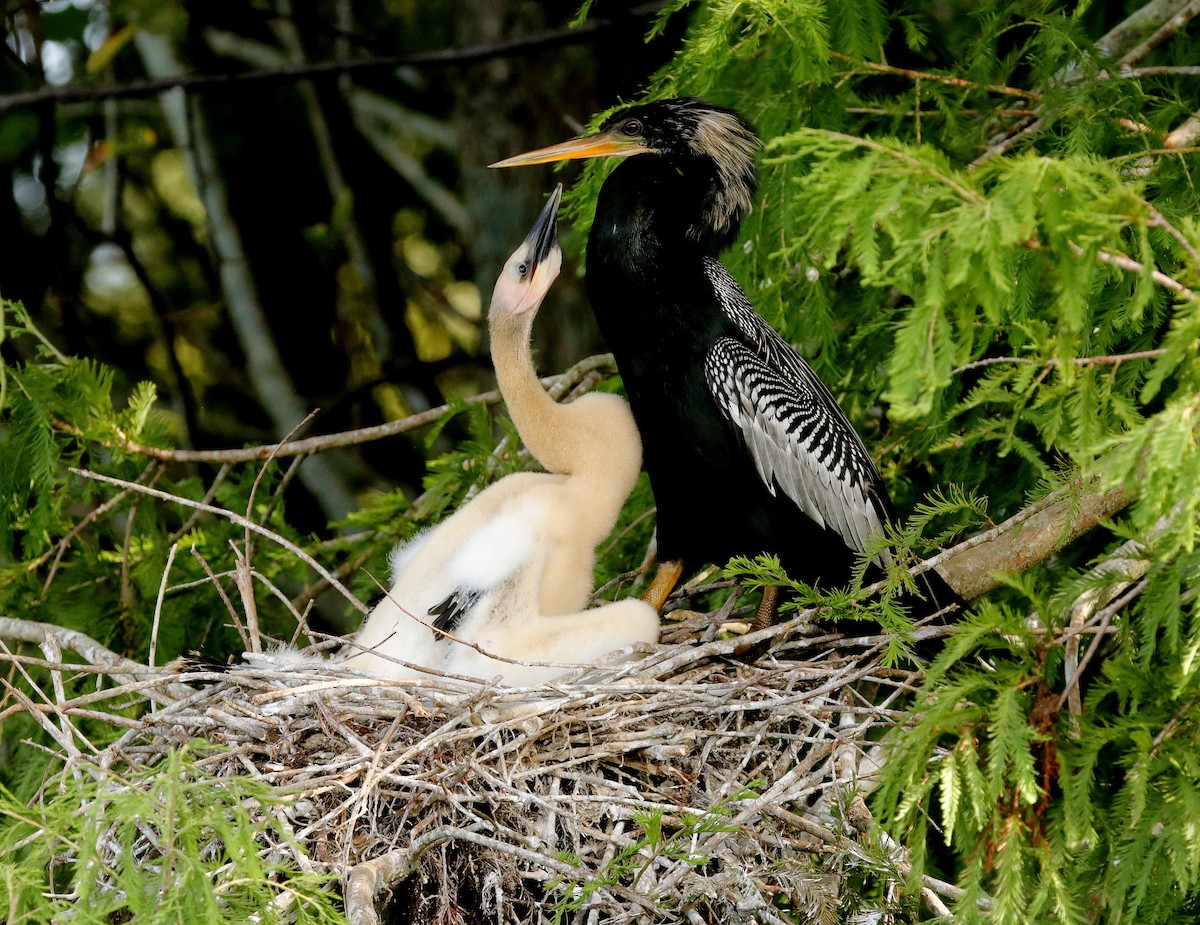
(602,144)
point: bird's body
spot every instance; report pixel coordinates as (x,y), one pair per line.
(520,578)
(748,452)
(510,573)
(691,352)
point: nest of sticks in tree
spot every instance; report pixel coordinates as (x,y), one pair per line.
(706,779)
(712,777)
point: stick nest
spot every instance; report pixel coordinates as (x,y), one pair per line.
(703,779)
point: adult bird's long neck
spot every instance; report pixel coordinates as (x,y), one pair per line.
(657,220)
(651,203)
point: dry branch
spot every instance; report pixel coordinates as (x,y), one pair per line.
(233,518)
(877,67)
(123,670)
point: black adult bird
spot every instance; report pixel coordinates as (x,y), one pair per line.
(748,452)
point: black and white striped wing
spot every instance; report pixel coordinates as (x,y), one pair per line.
(799,440)
(793,427)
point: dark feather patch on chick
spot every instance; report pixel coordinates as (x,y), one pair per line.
(449,613)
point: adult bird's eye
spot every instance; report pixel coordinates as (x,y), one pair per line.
(522,269)
(632,128)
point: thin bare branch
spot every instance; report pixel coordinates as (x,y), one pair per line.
(317,70)
(1166,70)
(602,363)
(60,548)
(1027,130)
(1074,672)
(879,68)
(1115,359)
(229,608)
(158,603)
(1132,266)
(235,519)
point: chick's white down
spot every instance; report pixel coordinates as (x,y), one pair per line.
(518,559)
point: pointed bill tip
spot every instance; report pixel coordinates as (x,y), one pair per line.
(543,237)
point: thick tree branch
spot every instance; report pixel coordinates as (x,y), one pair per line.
(1182,136)
(326,479)
(126,672)
(1026,538)
(1161,34)
(121,669)
(1138,26)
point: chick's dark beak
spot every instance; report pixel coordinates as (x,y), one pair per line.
(602,144)
(543,236)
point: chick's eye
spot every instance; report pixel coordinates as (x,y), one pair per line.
(522,269)
(632,128)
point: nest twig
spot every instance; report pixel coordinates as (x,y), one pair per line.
(694,781)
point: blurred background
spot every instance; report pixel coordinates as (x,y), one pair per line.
(306,219)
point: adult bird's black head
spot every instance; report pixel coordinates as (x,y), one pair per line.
(700,167)
(747,450)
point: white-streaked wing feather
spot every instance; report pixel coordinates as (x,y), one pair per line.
(797,445)
(792,426)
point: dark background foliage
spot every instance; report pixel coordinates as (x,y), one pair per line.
(978,222)
(369,230)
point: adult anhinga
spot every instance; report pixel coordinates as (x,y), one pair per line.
(748,452)
(511,572)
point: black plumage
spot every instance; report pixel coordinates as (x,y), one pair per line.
(449,613)
(747,450)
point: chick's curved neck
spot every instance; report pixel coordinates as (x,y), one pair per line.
(586,439)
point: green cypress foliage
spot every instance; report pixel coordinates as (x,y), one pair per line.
(170,844)
(979,225)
